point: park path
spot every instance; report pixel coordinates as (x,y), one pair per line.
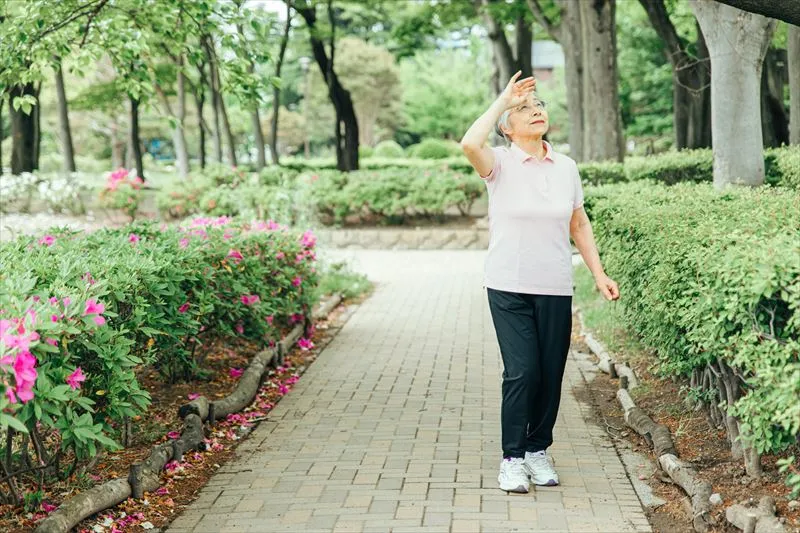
(396,427)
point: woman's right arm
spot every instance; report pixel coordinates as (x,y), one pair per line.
(480,156)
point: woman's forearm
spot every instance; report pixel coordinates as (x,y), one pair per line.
(477,134)
(584,242)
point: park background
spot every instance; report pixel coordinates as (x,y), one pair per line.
(165,125)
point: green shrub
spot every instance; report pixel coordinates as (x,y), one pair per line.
(601,173)
(708,276)
(365,151)
(782,166)
(388,148)
(672,167)
(436,149)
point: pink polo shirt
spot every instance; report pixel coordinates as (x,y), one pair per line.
(530,206)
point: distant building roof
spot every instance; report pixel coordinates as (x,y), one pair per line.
(547,54)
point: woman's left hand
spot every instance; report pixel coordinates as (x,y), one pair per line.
(608,287)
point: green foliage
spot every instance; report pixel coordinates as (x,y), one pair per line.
(339,278)
(437,149)
(709,276)
(388,149)
(602,172)
(365,152)
(782,166)
(672,167)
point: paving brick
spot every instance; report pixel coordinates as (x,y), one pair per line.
(407,438)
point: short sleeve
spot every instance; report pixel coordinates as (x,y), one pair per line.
(577,201)
(492,175)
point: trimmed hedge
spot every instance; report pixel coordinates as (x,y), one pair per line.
(437,149)
(388,149)
(113,301)
(707,275)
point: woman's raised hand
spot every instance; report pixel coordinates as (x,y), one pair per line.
(516,92)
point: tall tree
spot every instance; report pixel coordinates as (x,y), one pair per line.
(737,42)
(63,121)
(793,50)
(774,119)
(178,114)
(276,89)
(567,29)
(785,10)
(508,59)
(602,137)
(691,80)
(346,124)
(134,141)
(21,100)
(255,119)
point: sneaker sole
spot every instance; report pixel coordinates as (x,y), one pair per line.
(548,483)
(519,489)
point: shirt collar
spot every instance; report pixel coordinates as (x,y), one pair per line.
(525,156)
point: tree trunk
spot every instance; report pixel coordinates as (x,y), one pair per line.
(737,42)
(117,145)
(503,55)
(571,40)
(135,142)
(200,100)
(2,129)
(63,121)
(524,44)
(774,120)
(37,128)
(276,90)
(602,138)
(217,133)
(179,136)
(793,51)
(23,131)
(230,144)
(347,140)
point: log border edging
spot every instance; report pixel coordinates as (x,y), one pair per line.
(145,476)
(658,436)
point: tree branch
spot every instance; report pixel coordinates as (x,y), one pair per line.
(785,10)
(552,29)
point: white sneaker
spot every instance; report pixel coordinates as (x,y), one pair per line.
(513,477)
(538,466)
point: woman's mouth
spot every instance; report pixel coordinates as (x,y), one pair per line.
(539,121)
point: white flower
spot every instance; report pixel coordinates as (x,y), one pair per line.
(147,525)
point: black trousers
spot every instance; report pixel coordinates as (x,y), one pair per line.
(533,331)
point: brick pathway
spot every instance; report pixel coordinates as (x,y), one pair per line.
(396,427)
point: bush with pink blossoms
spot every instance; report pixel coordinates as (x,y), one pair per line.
(123,191)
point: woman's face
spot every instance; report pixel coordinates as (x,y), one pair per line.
(528,120)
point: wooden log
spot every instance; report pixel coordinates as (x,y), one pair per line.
(685,475)
(85,504)
(327,307)
(288,341)
(761,519)
(191,438)
(656,435)
(146,476)
(246,389)
(198,406)
(624,370)
(597,348)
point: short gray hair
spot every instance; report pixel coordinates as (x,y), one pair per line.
(503,121)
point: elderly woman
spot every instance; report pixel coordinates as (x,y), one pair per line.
(535,206)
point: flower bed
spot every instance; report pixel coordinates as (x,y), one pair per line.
(86,316)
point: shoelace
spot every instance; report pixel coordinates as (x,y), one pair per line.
(516,468)
(541,461)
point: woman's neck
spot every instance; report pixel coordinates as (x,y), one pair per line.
(533,146)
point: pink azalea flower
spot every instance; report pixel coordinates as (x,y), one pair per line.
(283,390)
(297,281)
(299,258)
(305,344)
(236,372)
(236,255)
(308,239)
(240,328)
(53,300)
(173,435)
(48,507)
(93,307)
(184,242)
(295,317)
(193,396)
(184,308)
(270,319)
(249,299)
(75,379)
(99,320)
(47,240)
(66,302)
(133,238)
(53,318)
(280,255)
(51,342)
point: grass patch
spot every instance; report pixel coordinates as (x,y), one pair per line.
(339,278)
